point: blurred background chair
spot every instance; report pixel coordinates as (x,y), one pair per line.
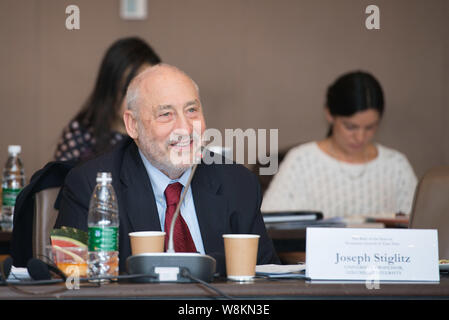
(431,206)
(44,219)
(36,211)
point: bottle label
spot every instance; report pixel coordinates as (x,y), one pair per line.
(9,196)
(103,239)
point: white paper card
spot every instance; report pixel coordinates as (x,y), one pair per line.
(336,254)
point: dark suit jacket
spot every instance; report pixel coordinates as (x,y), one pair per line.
(227,199)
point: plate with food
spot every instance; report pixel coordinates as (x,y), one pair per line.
(444,265)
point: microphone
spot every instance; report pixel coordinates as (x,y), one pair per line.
(171,247)
(39,270)
(171,266)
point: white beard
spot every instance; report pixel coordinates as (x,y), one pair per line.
(160,159)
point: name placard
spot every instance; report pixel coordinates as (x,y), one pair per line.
(351,254)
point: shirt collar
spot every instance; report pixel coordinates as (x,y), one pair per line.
(159,180)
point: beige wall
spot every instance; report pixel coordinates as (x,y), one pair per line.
(259,64)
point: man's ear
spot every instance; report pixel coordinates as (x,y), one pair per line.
(130,123)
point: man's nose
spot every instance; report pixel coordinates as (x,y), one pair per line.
(183,125)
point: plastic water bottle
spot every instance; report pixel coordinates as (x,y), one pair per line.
(103,229)
(12,183)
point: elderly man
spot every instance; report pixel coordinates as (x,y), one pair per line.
(165,121)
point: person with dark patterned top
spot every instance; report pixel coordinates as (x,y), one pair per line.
(78,142)
(98,126)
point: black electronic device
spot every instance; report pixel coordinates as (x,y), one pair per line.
(291,216)
(172,267)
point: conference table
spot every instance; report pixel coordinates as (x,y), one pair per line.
(258,289)
(261,288)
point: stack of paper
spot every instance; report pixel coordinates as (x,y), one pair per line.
(18,274)
(289,271)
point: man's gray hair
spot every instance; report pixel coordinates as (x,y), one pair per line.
(132,96)
(133,92)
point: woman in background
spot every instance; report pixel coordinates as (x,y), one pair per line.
(346,174)
(99,124)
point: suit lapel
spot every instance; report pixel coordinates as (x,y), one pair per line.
(139,205)
(210,209)
(138,200)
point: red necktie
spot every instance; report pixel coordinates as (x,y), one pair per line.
(182,240)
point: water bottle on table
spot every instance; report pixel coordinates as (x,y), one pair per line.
(103,229)
(12,183)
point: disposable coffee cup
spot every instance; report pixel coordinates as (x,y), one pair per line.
(241,256)
(147,241)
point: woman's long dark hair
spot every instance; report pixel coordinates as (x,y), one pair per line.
(118,67)
(354,92)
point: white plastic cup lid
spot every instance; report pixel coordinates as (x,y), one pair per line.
(146,233)
(241,236)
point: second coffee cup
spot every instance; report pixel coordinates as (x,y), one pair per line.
(241,256)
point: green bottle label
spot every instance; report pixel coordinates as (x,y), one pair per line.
(9,196)
(103,239)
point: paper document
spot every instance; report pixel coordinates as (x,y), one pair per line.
(18,274)
(279,268)
(281,271)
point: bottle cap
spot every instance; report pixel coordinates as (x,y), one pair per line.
(14,149)
(104,177)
